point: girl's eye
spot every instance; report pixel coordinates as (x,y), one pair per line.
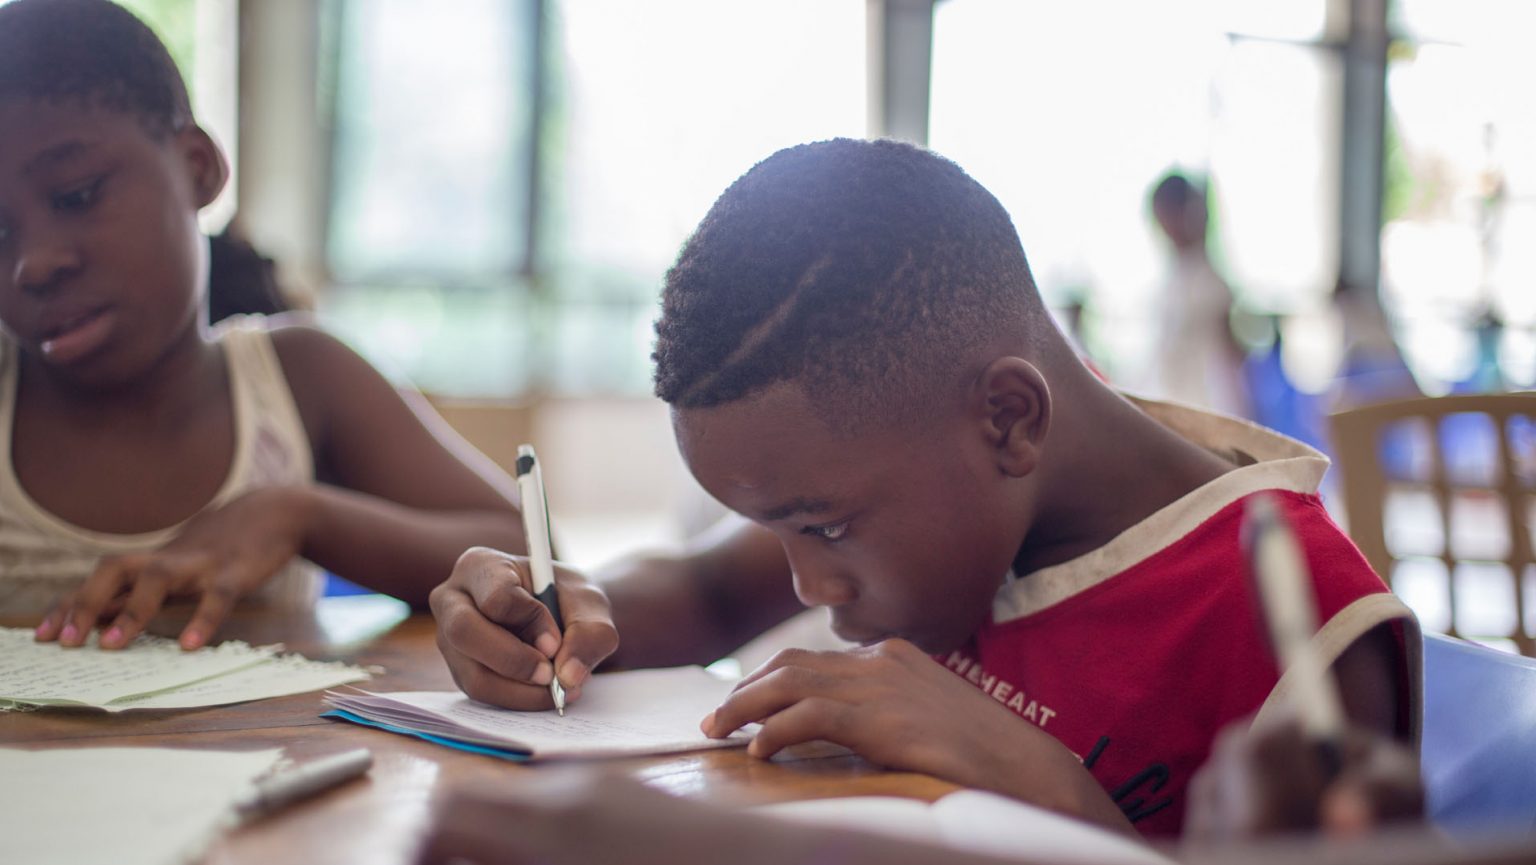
(833,532)
(80,197)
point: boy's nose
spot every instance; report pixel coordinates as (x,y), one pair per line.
(821,586)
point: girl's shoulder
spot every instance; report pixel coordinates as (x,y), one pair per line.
(329,381)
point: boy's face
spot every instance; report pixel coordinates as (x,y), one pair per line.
(903,533)
(100,251)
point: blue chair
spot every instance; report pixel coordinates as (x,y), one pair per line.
(1479,747)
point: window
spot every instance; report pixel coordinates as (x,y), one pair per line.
(1461,194)
(1070,113)
(513,235)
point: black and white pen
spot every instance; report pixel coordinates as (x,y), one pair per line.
(303,781)
(530,483)
(1289,603)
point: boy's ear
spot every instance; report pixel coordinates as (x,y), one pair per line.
(1013,404)
(207,167)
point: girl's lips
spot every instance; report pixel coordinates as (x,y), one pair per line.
(78,337)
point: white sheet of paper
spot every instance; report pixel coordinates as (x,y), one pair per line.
(49,674)
(278,677)
(976,821)
(154,673)
(636,712)
(128,806)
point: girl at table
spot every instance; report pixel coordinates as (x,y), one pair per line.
(148,456)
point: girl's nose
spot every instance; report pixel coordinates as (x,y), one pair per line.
(43,264)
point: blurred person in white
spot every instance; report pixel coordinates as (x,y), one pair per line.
(1198,360)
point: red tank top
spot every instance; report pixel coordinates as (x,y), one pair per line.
(1138,671)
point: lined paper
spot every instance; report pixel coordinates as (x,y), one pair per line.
(637,712)
(153,673)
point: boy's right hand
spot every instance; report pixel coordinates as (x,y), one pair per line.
(501,644)
(1271,781)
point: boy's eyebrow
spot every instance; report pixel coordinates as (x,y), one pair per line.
(794,506)
(64,151)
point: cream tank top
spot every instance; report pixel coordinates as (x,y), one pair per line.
(43,556)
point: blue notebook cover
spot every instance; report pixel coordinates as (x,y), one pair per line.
(513,756)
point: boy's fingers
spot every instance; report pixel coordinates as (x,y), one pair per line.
(482,684)
(812,718)
(586,645)
(590,636)
(768,696)
(462,630)
(501,595)
(145,599)
(827,663)
(212,609)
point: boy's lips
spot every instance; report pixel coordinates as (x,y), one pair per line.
(77,335)
(855,635)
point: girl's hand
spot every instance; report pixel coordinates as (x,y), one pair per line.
(893,705)
(219,557)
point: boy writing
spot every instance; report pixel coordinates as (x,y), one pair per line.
(1046,577)
(146,457)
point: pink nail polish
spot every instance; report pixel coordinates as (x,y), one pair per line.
(112,635)
(71,633)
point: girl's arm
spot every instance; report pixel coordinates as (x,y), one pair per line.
(399,495)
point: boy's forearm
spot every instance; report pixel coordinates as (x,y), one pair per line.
(695,607)
(662,614)
(392,548)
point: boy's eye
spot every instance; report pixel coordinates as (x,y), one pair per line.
(79,197)
(832,532)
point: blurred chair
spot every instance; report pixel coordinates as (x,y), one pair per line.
(1475,450)
(1479,746)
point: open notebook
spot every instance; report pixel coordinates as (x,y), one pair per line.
(619,714)
(153,673)
(976,821)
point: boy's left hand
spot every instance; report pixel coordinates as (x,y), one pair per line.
(896,706)
(220,556)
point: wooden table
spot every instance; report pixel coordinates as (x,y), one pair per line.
(380,820)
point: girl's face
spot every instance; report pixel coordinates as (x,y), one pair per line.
(101,257)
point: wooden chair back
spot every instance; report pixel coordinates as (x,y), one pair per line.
(1377,456)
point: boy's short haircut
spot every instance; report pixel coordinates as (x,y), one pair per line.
(92,52)
(864,271)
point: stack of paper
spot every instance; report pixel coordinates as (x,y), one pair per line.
(128,806)
(153,673)
(639,712)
